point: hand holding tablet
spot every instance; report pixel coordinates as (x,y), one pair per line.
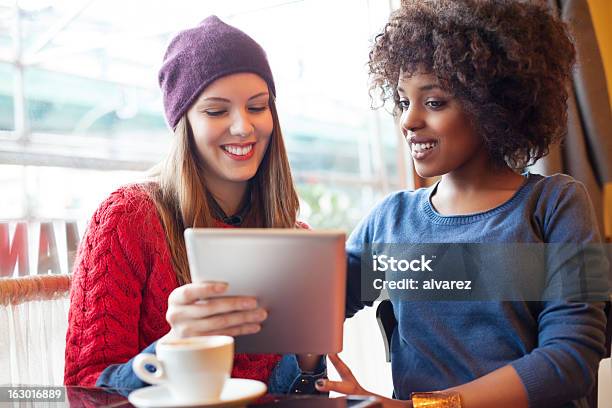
(200,309)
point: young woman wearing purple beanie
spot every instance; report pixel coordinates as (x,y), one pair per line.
(227,168)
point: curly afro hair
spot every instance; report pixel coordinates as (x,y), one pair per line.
(507,61)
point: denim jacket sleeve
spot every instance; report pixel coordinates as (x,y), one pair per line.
(121,376)
(287,378)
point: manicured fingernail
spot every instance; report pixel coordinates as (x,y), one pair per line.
(320,383)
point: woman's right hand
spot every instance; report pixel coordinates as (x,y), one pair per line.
(195,309)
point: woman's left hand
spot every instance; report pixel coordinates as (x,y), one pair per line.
(349,385)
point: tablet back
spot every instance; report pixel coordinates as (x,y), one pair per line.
(298,276)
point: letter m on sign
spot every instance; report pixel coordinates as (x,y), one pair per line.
(15,251)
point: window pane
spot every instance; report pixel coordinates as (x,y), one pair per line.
(46,193)
(92,99)
(13,197)
(334,206)
(7,120)
(62,103)
(7,18)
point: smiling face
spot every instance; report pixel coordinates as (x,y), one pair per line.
(232,125)
(441,137)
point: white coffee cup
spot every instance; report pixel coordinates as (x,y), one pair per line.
(194,369)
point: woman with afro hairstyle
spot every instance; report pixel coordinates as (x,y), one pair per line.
(480,90)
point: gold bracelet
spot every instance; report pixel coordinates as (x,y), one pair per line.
(436,400)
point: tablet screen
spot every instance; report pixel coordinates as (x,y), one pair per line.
(297,276)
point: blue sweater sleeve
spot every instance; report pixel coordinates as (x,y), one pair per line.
(355,247)
(571,336)
(121,376)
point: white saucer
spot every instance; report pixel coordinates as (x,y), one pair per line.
(236,392)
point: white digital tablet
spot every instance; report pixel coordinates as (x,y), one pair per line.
(298,276)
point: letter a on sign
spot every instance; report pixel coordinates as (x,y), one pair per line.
(47,250)
(72,243)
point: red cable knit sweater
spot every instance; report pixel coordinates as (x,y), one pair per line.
(122,278)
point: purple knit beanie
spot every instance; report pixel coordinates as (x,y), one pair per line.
(198,56)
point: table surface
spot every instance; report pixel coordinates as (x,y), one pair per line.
(110,398)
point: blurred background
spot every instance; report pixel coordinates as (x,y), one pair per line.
(81,112)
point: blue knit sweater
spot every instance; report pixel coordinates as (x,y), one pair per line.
(555,347)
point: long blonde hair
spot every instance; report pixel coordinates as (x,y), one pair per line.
(181,197)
